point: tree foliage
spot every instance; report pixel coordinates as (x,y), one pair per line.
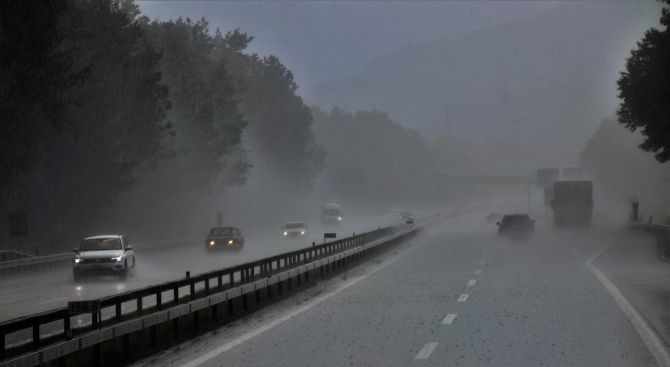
(280,123)
(35,72)
(644,89)
(95,97)
(620,170)
(374,160)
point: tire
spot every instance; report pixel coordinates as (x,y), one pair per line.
(124,273)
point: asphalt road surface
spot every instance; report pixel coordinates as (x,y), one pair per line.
(456,295)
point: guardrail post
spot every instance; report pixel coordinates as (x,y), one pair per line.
(175,328)
(230,307)
(196,319)
(117,307)
(139,305)
(280,288)
(97,355)
(231,281)
(152,336)
(269,287)
(175,292)
(36,336)
(159,300)
(94,320)
(258,296)
(215,312)
(220,283)
(66,330)
(245,304)
(192,289)
(299,279)
(126,347)
(207,286)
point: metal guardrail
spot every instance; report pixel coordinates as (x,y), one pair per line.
(241,280)
(35,263)
(662,234)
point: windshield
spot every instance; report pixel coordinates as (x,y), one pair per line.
(516,219)
(222,232)
(101,244)
(295,225)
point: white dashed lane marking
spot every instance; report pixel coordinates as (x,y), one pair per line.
(426,351)
(482,263)
(478,272)
(449,319)
(472,282)
(462,298)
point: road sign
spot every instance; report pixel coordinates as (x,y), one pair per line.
(329,235)
(80,307)
(18,224)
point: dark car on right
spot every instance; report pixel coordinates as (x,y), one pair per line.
(516,226)
(224,238)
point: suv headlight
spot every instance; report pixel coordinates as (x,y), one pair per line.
(118,258)
(77,260)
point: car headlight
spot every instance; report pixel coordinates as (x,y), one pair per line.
(78,260)
(339,218)
(302,232)
(212,243)
(118,258)
(285,233)
(230,242)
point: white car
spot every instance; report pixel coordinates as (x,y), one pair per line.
(109,254)
(295,229)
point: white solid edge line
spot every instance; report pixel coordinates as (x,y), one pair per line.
(425,352)
(250,335)
(648,335)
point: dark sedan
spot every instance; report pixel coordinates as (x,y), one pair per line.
(516,226)
(223,238)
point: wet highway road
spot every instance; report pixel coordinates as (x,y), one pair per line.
(454,296)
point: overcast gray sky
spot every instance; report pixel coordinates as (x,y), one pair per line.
(326,40)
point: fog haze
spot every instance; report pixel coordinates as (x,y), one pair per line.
(501,75)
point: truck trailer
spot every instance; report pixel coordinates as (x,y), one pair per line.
(572,204)
(331,213)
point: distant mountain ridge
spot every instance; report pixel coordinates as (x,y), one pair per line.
(550,79)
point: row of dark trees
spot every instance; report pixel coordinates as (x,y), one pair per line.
(99,102)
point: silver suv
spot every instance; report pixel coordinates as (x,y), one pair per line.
(110,254)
